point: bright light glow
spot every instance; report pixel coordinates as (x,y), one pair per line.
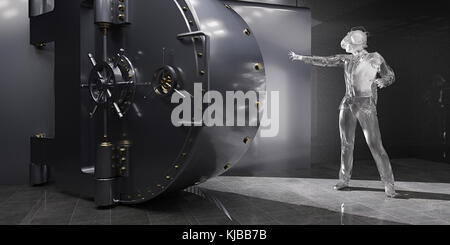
(257,14)
(213,23)
(4,3)
(194,2)
(10,13)
(219,32)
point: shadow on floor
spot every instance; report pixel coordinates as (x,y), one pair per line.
(245,210)
(407,194)
(405,170)
(47,206)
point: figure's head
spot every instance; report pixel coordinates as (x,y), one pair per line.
(355,40)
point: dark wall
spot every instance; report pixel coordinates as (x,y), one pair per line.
(414,40)
(26,92)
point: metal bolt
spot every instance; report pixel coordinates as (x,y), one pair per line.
(39,45)
(247,140)
(40,136)
(258,67)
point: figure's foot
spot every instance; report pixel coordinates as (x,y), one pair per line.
(393,195)
(340,186)
(390,192)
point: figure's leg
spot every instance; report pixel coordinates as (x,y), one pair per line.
(347,126)
(369,122)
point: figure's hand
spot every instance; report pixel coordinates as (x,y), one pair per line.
(380,83)
(295,56)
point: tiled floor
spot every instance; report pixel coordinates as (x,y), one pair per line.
(253,200)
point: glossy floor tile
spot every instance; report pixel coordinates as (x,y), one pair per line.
(234,200)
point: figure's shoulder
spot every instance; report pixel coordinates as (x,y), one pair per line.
(375,59)
(375,55)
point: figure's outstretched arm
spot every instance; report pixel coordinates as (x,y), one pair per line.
(386,73)
(330,61)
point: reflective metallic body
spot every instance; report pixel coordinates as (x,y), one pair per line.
(359,103)
(360,73)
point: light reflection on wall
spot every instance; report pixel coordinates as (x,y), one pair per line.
(7,11)
(4,3)
(26,93)
(279,30)
(10,8)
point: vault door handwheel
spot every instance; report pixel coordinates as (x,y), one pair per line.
(112,83)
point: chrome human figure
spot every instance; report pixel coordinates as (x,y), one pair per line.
(359,103)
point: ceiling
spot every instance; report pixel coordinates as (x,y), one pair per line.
(385,16)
